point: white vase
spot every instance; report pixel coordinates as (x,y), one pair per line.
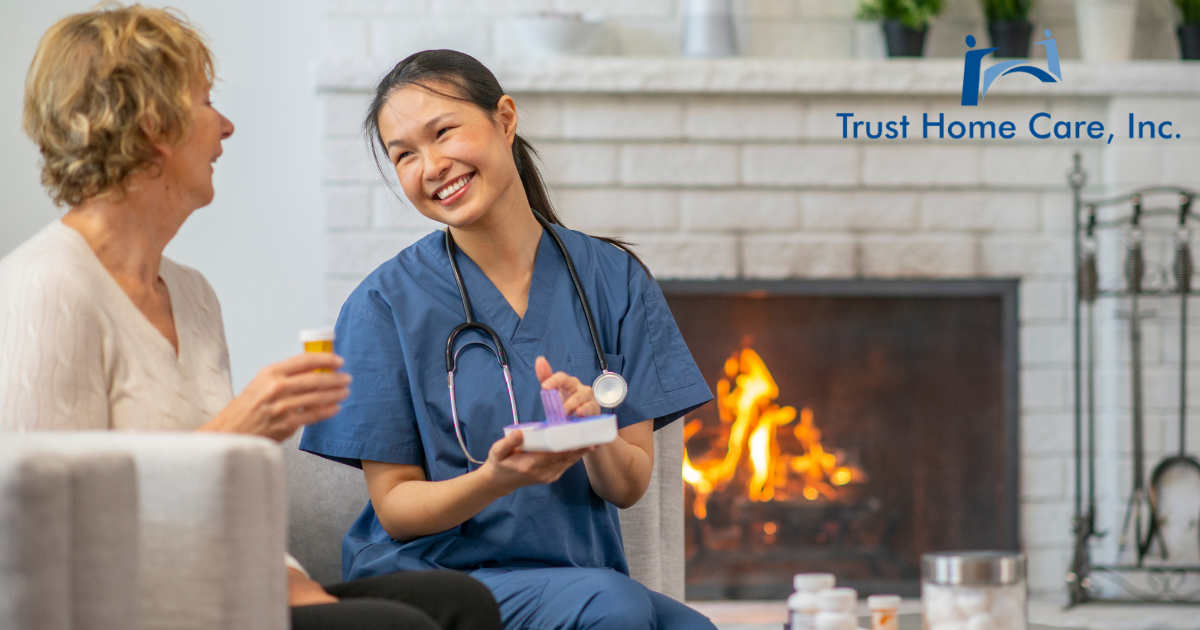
(708,29)
(1106,29)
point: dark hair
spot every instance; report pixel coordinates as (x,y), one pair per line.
(470,81)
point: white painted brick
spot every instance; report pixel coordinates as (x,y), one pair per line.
(740,210)
(827,8)
(405,7)
(636,118)
(1181,164)
(1047,568)
(1043,388)
(391,211)
(344,113)
(349,6)
(687,255)
(343,37)
(979,211)
(1057,211)
(764,8)
(1133,165)
(744,118)
(398,38)
(336,292)
(794,38)
(1046,343)
(1026,166)
(798,256)
(579,163)
(349,161)
(1021,256)
(790,165)
(679,164)
(1044,300)
(1047,432)
(822,121)
(360,254)
(621,8)
(920,165)
(617,210)
(859,211)
(928,256)
(539,116)
(1046,523)
(1043,479)
(451,9)
(347,207)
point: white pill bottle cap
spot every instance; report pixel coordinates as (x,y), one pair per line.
(813,581)
(840,600)
(883,602)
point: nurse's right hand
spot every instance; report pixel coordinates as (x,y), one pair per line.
(285,396)
(510,468)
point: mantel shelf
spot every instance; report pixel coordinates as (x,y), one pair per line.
(673,75)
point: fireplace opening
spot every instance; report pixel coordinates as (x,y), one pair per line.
(858,424)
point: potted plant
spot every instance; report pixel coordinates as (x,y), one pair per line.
(905,23)
(1009,26)
(1189,28)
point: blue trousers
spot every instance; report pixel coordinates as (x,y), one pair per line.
(583,599)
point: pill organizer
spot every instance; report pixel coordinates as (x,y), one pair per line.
(560,433)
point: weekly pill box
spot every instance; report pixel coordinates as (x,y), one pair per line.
(568,435)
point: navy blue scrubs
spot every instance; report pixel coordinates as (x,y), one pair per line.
(392,332)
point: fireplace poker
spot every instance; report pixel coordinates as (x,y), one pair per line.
(1135,271)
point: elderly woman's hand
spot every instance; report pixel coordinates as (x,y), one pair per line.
(285,396)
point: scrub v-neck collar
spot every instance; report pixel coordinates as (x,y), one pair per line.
(524,335)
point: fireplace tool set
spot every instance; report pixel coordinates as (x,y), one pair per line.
(1144,524)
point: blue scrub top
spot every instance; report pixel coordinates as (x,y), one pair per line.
(392,332)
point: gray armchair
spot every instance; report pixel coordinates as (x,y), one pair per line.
(325,497)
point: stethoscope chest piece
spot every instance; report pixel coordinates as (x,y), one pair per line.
(609,389)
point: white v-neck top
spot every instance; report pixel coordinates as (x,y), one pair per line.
(77,354)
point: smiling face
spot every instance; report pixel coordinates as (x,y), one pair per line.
(453,159)
(188,164)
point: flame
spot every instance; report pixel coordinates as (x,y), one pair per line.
(745,402)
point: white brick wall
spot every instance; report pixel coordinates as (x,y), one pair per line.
(763,186)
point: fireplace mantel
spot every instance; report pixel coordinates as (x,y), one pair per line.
(672,75)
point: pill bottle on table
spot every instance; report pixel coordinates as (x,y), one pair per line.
(836,621)
(802,605)
(885,611)
(976,590)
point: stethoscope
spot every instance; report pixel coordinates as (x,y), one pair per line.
(609,388)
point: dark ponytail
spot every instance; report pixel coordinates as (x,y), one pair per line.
(471,81)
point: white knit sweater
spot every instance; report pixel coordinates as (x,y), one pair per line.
(77,354)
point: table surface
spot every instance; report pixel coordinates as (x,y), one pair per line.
(913,622)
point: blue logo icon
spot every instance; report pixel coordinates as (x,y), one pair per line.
(972,93)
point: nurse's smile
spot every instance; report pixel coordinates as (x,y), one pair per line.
(454,191)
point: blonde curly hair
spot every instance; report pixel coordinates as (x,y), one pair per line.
(104,86)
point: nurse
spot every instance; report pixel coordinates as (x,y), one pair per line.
(539,529)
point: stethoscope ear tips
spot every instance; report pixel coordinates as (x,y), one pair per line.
(609,389)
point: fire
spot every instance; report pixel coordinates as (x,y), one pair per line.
(745,402)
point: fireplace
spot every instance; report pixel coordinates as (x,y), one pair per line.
(859,424)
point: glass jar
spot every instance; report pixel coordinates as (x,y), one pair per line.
(974,590)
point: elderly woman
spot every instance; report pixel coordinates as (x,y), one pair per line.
(98,330)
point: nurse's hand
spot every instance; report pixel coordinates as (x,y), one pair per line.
(510,468)
(285,396)
(578,399)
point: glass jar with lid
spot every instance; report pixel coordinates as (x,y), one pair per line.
(973,590)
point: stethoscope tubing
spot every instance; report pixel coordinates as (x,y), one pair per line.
(606,375)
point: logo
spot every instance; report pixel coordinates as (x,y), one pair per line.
(972,93)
